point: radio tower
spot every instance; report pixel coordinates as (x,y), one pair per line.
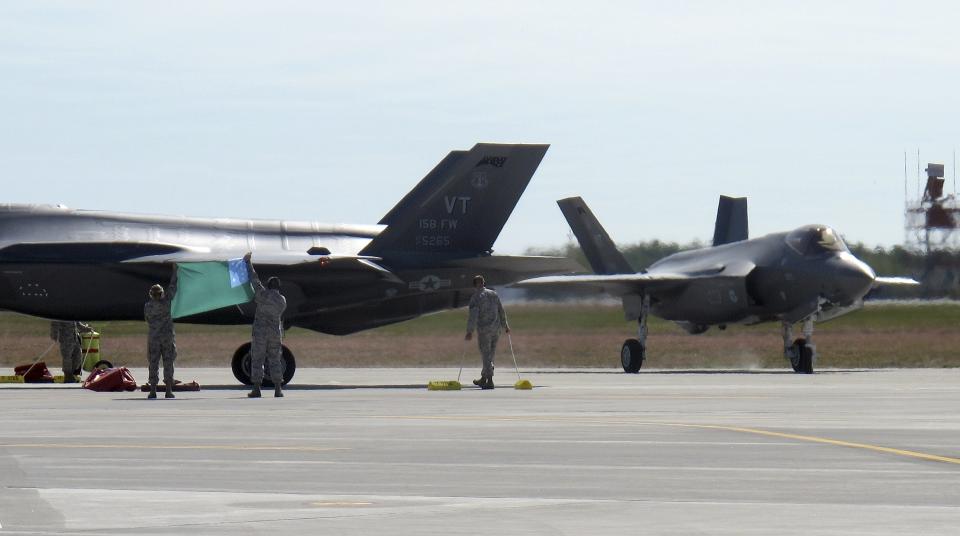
(932,221)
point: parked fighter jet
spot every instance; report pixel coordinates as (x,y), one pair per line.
(338,279)
(804,275)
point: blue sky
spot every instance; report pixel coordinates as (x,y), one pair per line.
(332,111)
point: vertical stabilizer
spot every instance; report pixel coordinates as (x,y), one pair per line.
(460,207)
(601,252)
(425,187)
(731,223)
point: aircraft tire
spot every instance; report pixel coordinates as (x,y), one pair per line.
(806,359)
(632,354)
(802,358)
(240,358)
(241,366)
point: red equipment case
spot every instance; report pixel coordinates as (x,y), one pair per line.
(35,373)
(113,379)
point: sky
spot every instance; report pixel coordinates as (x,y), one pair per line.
(332,111)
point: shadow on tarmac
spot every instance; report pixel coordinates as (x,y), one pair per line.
(703,371)
(312,387)
(344,387)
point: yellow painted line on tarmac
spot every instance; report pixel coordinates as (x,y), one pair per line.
(828,441)
(163,447)
(754,431)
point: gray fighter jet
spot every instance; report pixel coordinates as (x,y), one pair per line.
(805,275)
(421,257)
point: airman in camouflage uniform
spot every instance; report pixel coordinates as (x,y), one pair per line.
(487,317)
(161,341)
(267,332)
(67,334)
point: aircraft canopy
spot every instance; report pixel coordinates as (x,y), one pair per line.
(814,240)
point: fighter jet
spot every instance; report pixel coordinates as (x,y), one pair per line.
(420,258)
(805,275)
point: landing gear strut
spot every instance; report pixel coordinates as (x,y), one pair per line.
(241,366)
(634,351)
(802,352)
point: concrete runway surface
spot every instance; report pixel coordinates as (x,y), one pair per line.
(370,451)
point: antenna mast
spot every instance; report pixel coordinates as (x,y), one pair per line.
(919,195)
(905,200)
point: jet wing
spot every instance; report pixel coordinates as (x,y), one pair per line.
(286,259)
(639,283)
(615,284)
(518,264)
(278,258)
(158,253)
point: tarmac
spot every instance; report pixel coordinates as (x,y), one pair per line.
(372,451)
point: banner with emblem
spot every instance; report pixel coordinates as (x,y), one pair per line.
(207,286)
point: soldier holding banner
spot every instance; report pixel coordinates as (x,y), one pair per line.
(267,331)
(161,341)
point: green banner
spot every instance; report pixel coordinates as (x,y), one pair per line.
(205,286)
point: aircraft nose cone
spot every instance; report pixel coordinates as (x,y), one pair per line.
(853,278)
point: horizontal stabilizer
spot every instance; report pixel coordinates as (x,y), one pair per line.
(895,281)
(731,225)
(613,284)
(601,252)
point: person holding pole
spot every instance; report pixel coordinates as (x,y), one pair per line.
(487,318)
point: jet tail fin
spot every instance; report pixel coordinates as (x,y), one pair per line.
(601,252)
(731,223)
(460,207)
(424,188)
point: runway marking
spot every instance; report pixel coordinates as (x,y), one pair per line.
(162,447)
(755,431)
(828,441)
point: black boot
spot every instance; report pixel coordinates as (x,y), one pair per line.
(256,391)
(277,391)
(169,393)
(153,391)
(487,383)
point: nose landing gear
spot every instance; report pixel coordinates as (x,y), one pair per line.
(634,351)
(801,352)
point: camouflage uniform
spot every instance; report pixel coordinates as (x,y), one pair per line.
(267,331)
(487,317)
(161,341)
(68,336)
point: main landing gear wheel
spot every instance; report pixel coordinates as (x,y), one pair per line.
(801,358)
(241,366)
(632,355)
